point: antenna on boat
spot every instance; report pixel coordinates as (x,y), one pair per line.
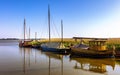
(49,22)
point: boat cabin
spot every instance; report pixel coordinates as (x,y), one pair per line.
(97,44)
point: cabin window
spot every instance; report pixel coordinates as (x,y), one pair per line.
(96,43)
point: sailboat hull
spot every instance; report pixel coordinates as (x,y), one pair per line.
(55,50)
(53,47)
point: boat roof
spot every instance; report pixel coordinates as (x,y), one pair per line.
(89,38)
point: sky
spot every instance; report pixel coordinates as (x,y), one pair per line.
(81,18)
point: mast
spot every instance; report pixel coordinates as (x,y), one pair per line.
(35,35)
(29,33)
(49,23)
(24,28)
(61,31)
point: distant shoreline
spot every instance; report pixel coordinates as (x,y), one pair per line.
(9,39)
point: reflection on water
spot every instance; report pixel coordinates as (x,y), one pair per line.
(28,61)
(95,65)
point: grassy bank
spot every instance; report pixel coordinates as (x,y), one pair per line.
(113,42)
(69,41)
(66,41)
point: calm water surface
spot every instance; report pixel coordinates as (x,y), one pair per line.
(26,61)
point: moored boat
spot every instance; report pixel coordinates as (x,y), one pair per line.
(95,49)
(54,46)
(25,42)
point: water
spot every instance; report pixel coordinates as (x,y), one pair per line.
(27,61)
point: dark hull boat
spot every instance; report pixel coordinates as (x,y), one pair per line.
(49,47)
(53,47)
(36,46)
(25,44)
(96,49)
(91,53)
(55,50)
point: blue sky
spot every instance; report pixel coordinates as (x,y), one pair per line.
(84,18)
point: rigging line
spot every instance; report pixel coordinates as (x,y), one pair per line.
(56,30)
(21,36)
(48,27)
(53,31)
(40,30)
(43,27)
(55,26)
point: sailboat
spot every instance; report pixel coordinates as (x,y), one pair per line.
(53,46)
(25,42)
